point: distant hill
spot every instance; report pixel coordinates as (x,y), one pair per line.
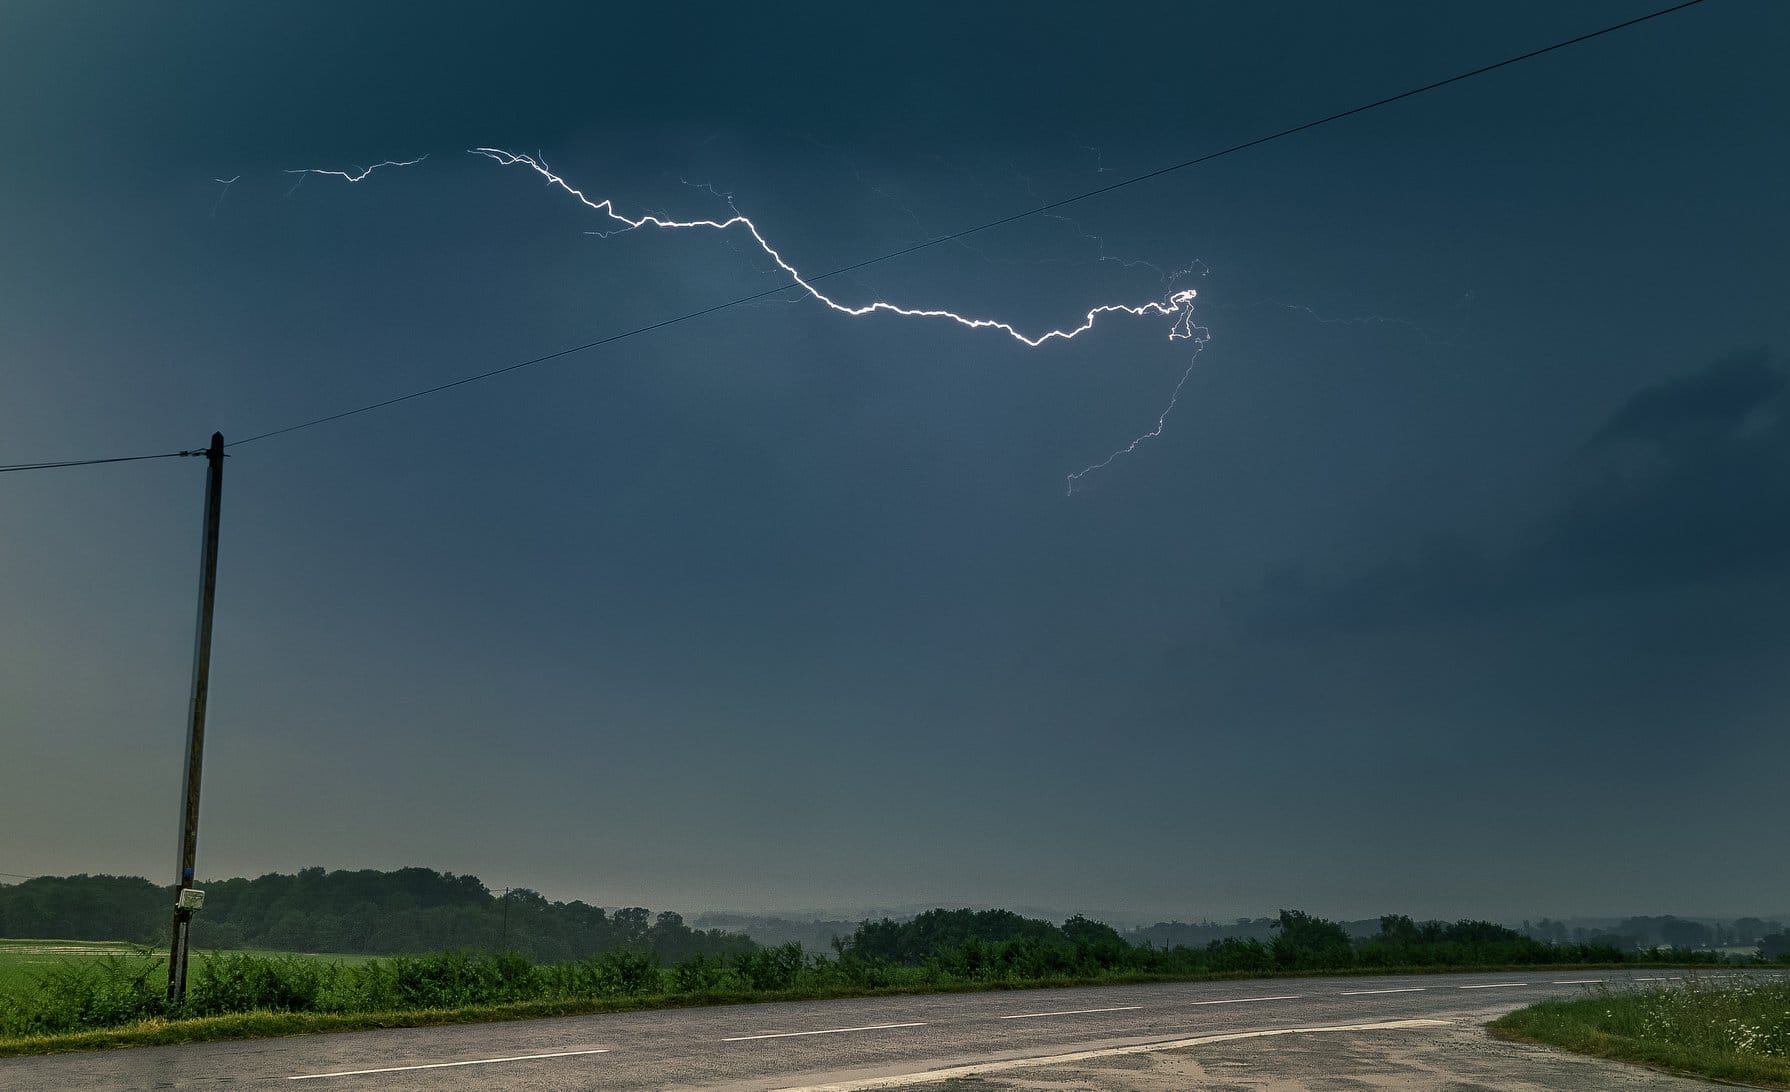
(814,935)
(1170,934)
(407,910)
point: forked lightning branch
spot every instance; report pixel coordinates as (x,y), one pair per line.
(1177,306)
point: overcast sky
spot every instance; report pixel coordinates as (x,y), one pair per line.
(1455,584)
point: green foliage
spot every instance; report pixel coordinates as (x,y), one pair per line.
(86,908)
(698,974)
(238,983)
(102,992)
(409,910)
(453,979)
(942,949)
(1307,943)
(769,968)
(1738,1031)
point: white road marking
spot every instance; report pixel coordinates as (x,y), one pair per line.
(824,1031)
(1400,989)
(1071,1012)
(1577,981)
(1492,986)
(445,1065)
(1241,1000)
(934,1076)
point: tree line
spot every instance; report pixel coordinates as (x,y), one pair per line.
(367,911)
(996,944)
(414,910)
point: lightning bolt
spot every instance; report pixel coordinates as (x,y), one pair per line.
(1177,304)
(226,183)
(359,174)
(1199,336)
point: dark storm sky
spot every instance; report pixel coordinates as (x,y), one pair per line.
(1455,585)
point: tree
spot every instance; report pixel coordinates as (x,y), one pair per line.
(1304,941)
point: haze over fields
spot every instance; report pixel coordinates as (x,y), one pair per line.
(1457,582)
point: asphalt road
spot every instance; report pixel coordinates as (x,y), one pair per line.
(804,1044)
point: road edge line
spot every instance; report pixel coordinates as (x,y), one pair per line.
(976,1069)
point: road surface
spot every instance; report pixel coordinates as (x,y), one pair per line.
(857,1043)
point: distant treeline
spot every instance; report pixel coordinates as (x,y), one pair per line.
(406,911)
(416,910)
(1666,931)
(993,944)
(940,949)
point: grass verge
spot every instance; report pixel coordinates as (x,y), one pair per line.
(257,1024)
(1738,1032)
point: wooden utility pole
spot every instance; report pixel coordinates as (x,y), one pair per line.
(187,900)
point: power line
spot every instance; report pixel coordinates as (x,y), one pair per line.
(1136,179)
(1196,161)
(96,462)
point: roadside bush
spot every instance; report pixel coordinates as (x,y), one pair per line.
(698,974)
(620,973)
(244,983)
(102,993)
(1233,956)
(454,979)
(769,968)
(630,972)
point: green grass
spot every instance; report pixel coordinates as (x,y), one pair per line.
(1736,1031)
(22,962)
(264,1024)
(58,996)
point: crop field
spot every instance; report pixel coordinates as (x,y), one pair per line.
(23,961)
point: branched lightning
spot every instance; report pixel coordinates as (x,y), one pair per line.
(1199,337)
(1176,305)
(226,183)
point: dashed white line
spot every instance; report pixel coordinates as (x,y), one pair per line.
(1241,1000)
(1577,982)
(1070,1012)
(1492,986)
(1400,989)
(445,1065)
(823,1031)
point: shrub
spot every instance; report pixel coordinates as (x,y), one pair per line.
(769,968)
(698,974)
(104,992)
(244,983)
(453,979)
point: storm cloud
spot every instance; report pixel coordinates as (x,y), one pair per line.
(1686,482)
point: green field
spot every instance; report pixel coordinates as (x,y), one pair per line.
(63,995)
(1733,1030)
(24,961)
